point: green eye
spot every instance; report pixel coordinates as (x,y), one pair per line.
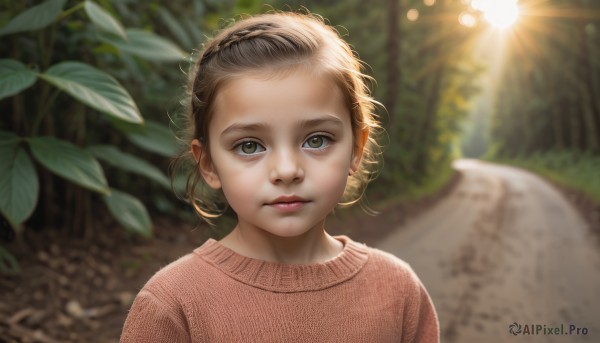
(248,148)
(316,142)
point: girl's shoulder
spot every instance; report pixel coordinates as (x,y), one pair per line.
(375,259)
(180,274)
(391,270)
(388,261)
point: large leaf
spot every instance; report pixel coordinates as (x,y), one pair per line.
(7,137)
(174,25)
(95,88)
(35,18)
(69,161)
(131,163)
(146,45)
(129,212)
(104,20)
(155,138)
(192,28)
(19,186)
(14,77)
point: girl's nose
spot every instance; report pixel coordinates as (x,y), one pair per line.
(286,168)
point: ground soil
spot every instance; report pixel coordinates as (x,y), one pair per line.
(504,247)
(74,290)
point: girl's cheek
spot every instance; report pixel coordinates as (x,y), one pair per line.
(332,175)
(243,178)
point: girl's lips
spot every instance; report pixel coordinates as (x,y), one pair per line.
(287,199)
(287,207)
(288,203)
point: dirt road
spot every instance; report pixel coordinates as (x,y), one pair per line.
(505,247)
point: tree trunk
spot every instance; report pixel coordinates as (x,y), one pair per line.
(423,141)
(590,108)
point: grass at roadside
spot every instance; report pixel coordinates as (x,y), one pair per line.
(392,210)
(578,171)
(418,192)
(409,201)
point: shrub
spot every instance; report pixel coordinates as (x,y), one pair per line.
(62,112)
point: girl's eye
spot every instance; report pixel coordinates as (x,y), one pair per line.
(316,142)
(249,148)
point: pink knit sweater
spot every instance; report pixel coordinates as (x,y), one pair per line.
(217,295)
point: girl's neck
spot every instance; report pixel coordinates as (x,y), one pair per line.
(314,246)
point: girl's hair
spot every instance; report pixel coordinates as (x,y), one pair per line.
(268,44)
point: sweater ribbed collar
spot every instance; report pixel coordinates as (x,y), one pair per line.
(286,278)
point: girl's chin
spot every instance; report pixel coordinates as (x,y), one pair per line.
(290,231)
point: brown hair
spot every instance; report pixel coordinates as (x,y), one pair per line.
(271,43)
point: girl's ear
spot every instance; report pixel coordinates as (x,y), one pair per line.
(362,137)
(205,165)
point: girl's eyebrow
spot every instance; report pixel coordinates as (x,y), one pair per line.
(309,123)
(241,127)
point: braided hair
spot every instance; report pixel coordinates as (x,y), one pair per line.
(235,37)
(272,43)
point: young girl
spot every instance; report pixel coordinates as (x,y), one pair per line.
(283,129)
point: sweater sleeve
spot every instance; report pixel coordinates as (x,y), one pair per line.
(421,323)
(152,320)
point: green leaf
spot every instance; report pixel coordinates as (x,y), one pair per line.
(128,162)
(146,45)
(129,212)
(174,25)
(69,161)
(19,186)
(7,137)
(104,20)
(94,88)
(127,127)
(14,77)
(35,18)
(192,28)
(156,138)
(8,263)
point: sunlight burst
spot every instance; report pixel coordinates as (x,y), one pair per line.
(499,13)
(467,19)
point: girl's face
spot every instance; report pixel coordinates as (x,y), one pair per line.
(281,150)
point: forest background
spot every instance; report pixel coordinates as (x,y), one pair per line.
(91,98)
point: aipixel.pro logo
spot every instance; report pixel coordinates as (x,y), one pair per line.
(546,330)
(515,328)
